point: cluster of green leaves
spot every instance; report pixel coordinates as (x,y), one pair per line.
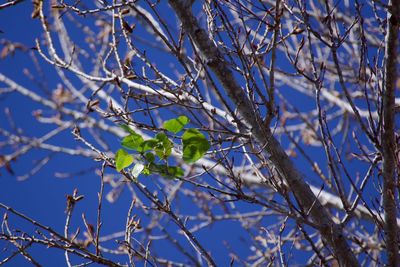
(152,155)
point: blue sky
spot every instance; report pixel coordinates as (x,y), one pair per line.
(43,195)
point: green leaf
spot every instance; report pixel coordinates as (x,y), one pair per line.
(137,169)
(146,171)
(174,172)
(164,146)
(122,159)
(195,145)
(126,128)
(167,171)
(149,157)
(132,141)
(162,137)
(176,125)
(191,153)
(148,145)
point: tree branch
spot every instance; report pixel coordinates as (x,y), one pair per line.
(388,136)
(308,202)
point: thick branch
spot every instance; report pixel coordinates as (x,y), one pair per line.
(388,137)
(331,232)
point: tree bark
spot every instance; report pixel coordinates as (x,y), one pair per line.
(330,231)
(388,139)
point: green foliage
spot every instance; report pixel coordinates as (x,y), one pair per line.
(132,141)
(126,128)
(176,125)
(123,159)
(195,145)
(146,171)
(167,171)
(150,157)
(148,145)
(164,146)
(153,154)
